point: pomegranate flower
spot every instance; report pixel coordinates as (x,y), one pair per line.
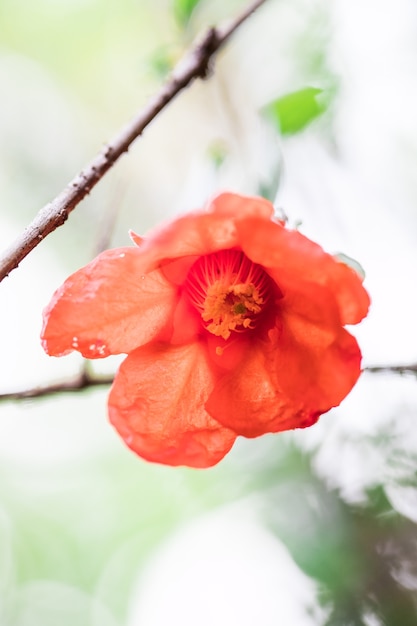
(232,324)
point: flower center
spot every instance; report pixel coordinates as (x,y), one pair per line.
(228,290)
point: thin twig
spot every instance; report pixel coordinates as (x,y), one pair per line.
(196,64)
(84,380)
(392,369)
(87,380)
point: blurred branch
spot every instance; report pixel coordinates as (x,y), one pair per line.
(195,64)
(392,369)
(86,380)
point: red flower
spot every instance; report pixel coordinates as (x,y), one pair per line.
(233,325)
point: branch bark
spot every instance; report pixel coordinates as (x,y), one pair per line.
(196,64)
(87,380)
(392,369)
(84,380)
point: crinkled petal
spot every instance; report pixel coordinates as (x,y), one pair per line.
(201,232)
(249,400)
(311,354)
(176,271)
(108,307)
(292,257)
(186,322)
(308,366)
(241,206)
(157,405)
(195,234)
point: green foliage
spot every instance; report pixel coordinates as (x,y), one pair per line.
(218,153)
(363,556)
(161,62)
(183,10)
(294,111)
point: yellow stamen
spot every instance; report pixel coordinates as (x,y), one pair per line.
(229,308)
(229,291)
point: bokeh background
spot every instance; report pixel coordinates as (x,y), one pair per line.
(312,104)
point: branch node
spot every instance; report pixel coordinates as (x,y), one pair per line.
(208,46)
(108,152)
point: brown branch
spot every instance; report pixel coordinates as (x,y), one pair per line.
(392,369)
(196,64)
(87,380)
(84,380)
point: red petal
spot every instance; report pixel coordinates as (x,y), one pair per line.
(157,405)
(290,257)
(108,307)
(201,233)
(251,403)
(241,206)
(308,366)
(315,358)
(137,239)
(193,235)
(186,322)
(175,271)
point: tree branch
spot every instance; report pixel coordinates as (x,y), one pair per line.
(392,369)
(87,380)
(196,64)
(84,380)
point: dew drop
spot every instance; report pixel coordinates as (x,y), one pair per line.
(102,349)
(97,349)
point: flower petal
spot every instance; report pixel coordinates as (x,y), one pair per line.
(249,401)
(201,232)
(241,206)
(108,307)
(157,405)
(308,366)
(186,322)
(314,357)
(290,256)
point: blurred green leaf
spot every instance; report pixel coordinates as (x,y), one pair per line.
(362,555)
(218,152)
(161,62)
(183,10)
(294,111)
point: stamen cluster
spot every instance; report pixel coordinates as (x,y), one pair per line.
(228,290)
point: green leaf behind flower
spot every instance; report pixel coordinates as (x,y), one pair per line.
(294,111)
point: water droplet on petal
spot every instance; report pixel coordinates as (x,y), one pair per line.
(97,349)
